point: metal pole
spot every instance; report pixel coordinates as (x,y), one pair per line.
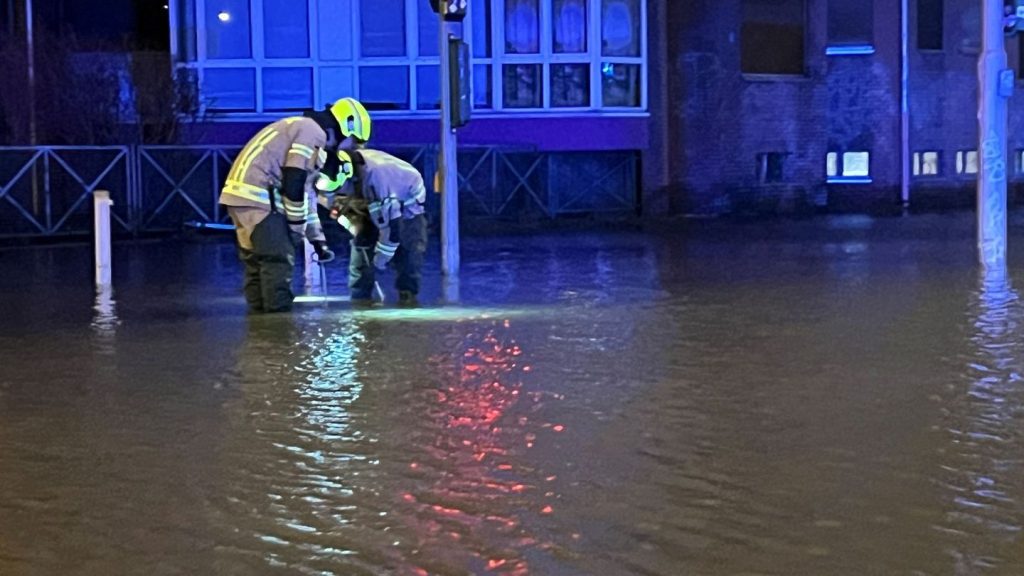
(905,103)
(309,265)
(30,60)
(101,231)
(993,91)
(448,170)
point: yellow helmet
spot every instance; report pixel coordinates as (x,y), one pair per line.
(353,119)
(325,183)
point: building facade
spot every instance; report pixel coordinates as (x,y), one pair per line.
(783,106)
(652,106)
(560,86)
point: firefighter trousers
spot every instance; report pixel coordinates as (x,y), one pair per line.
(267,250)
(407,263)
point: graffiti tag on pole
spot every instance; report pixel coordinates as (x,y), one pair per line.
(992,158)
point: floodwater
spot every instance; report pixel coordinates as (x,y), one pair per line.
(835,397)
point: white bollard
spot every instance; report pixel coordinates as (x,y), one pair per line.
(101,231)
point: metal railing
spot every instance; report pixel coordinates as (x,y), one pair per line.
(44,190)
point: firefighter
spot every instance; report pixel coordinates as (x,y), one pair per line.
(383,210)
(270,196)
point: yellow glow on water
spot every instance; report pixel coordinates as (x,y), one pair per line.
(313,299)
(446,314)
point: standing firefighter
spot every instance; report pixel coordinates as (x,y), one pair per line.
(384,214)
(270,196)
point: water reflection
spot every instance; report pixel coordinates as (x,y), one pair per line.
(984,463)
(105,320)
(467,508)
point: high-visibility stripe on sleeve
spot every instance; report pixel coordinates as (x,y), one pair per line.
(301,150)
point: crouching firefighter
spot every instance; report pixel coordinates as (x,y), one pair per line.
(383,210)
(270,196)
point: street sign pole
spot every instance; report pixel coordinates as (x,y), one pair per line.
(995,84)
(448,169)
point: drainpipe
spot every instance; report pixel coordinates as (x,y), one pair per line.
(905,103)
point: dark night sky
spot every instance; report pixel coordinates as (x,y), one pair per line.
(143,22)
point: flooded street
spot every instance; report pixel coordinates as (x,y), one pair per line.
(832,397)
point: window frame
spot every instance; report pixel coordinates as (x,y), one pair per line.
(840,177)
(412,61)
(773,76)
(918,162)
(962,162)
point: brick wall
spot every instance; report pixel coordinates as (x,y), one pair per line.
(720,120)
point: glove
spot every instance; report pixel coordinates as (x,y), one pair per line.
(383,253)
(323,253)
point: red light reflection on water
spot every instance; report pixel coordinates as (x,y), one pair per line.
(477,437)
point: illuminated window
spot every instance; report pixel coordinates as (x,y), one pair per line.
(926,164)
(967,162)
(848,166)
(856,164)
(528,55)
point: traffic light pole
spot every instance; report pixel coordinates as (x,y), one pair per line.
(994,86)
(448,171)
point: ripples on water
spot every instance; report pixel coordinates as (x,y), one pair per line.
(612,406)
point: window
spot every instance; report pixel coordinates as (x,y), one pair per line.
(570,27)
(620,28)
(384,87)
(382,27)
(527,55)
(851,23)
(852,167)
(230,89)
(286,28)
(770,167)
(227,29)
(523,86)
(570,86)
(967,162)
(522,26)
(926,164)
(772,37)
(929,24)
(335,41)
(287,89)
(1020,56)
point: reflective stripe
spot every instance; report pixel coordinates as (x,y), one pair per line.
(386,249)
(301,150)
(347,225)
(246,153)
(242,190)
(296,210)
(257,148)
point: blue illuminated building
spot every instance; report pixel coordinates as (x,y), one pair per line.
(705,106)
